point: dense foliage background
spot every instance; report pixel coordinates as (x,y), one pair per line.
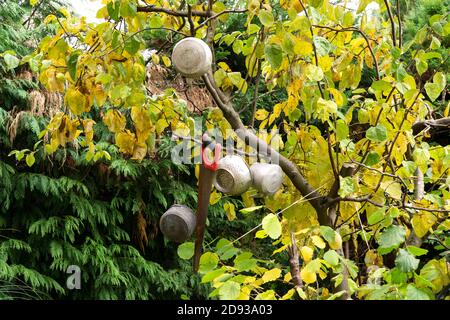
(99,207)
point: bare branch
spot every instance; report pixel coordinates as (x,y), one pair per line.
(391,19)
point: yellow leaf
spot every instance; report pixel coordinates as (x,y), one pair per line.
(229,210)
(155,59)
(49,18)
(88,126)
(325,63)
(261,234)
(325,108)
(338,96)
(303,48)
(261,114)
(126,141)
(337,243)
(75,100)
(271,275)
(139,152)
(307,253)
(308,276)
(422,222)
(288,295)
(214,197)
(318,242)
(393,189)
(67,131)
(166,61)
(114,120)
(161,125)
(287,277)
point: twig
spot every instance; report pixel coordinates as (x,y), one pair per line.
(391,19)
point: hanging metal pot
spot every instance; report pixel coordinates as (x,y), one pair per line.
(233,176)
(178,223)
(192,57)
(267,177)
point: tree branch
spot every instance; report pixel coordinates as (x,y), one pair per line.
(195,13)
(391,19)
(289,168)
(294,262)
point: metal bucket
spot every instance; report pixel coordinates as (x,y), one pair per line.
(178,223)
(192,57)
(233,175)
(267,177)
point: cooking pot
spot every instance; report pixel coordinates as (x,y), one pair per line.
(192,57)
(178,223)
(267,177)
(233,176)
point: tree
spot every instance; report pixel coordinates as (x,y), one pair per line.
(362,192)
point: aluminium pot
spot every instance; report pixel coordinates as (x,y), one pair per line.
(178,223)
(233,176)
(267,177)
(192,57)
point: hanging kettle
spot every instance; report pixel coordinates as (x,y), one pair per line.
(178,223)
(267,177)
(233,176)
(192,57)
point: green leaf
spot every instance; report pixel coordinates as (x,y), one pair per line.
(72,62)
(113,10)
(347,186)
(342,130)
(272,226)
(413,293)
(208,261)
(132,45)
(155,21)
(434,89)
(416,251)
(391,238)
(406,262)
(327,233)
(11,61)
(250,209)
(331,257)
(30,159)
(266,18)
(210,276)
(381,85)
(274,54)
(323,46)
(230,290)
(313,72)
(288,43)
(186,250)
(372,158)
(376,216)
(377,134)
(244,262)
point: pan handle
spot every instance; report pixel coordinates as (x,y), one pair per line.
(212,166)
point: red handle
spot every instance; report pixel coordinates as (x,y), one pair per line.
(212,165)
